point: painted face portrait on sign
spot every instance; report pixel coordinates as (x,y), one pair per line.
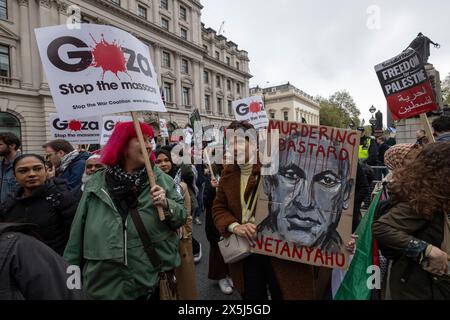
(308,194)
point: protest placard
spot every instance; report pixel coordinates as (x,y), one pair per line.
(252,110)
(108,125)
(163,130)
(304,212)
(97,70)
(406,85)
(75,131)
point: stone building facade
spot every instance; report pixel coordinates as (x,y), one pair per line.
(286,102)
(196,67)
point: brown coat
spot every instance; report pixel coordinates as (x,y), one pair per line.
(296,281)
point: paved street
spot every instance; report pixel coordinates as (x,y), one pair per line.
(207,289)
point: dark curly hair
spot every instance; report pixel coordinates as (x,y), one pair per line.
(424,182)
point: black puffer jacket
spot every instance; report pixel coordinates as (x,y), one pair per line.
(51,208)
(30,270)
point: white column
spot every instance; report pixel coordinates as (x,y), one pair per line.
(197,81)
(14,71)
(44,20)
(157,62)
(201,88)
(155,12)
(62,10)
(213,94)
(25,50)
(178,88)
(176,15)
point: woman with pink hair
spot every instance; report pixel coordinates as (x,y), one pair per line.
(104,241)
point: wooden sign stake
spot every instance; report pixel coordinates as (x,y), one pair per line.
(427,127)
(148,165)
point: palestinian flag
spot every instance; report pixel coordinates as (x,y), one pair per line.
(354,286)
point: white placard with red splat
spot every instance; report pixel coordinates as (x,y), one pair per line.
(76,131)
(109,123)
(252,110)
(97,70)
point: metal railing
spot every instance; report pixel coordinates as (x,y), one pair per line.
(378,174)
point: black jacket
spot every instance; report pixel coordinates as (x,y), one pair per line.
(212,234)
(51,208)
(381,151)
(30,270)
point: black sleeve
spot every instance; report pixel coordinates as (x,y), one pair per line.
(208,195)
(373,153)
(68,207)
(362,185)
(187,175)
(39,272)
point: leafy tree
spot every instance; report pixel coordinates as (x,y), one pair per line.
(339,110)
(345,102)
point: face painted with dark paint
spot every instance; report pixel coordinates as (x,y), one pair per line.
(309,193)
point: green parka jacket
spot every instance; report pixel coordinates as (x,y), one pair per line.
(110,253)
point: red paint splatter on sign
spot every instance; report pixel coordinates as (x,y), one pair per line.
(255,107)
(109,57)
(75,125)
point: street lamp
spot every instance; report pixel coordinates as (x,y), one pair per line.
(372,120)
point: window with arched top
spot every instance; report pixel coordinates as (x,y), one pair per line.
(10,123)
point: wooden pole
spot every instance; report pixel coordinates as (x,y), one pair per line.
(427,127)
(148,165)
(209,163)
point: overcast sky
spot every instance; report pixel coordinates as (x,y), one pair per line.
(325,46)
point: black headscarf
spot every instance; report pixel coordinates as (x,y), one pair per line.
(166,150)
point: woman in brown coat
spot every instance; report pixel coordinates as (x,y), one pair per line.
(418,226)
(253,275)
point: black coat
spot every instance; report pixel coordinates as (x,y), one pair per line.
(51,208)
(212,234)
(29,269)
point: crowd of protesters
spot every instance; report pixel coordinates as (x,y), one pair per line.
(90,210)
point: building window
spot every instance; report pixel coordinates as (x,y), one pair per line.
(184,34)
(286,115)
(230,107)
(229,85)
(219,105)
(166,59)
(207,103)
(116,2)
(184,66)
(164,23)
(168,92)
(228,61)
(142,11)
(272,115)
(3,9)
(164,4)
(238,65)
(218,55)
(205,47)
(4,62)
(218,82)
(9,123)
(205,77)
(186,96)
(238,88)
(183,13)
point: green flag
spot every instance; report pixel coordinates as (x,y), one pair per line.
(354,286)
